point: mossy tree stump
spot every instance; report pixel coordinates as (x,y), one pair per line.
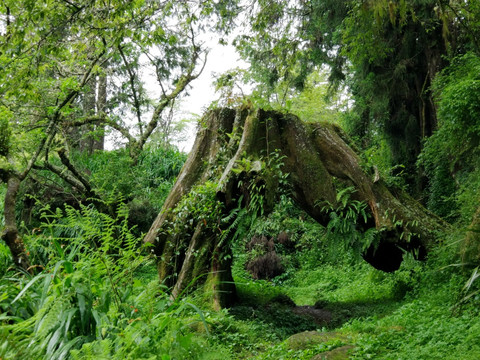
(317,157)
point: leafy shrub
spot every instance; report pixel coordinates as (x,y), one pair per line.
(450,155)
(88,302)
(91,259)
(5,258)
(112,174)
(160,329)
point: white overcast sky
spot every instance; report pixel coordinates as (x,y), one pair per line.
(201,92)
(221,58)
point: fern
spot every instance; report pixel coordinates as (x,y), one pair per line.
(342,227)
(82,293)
(238,227)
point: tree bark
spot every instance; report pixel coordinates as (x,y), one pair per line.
(10,233)
(90,136)
(99,140)
(317,158)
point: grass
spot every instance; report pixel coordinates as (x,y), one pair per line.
(413,313)
(409,314)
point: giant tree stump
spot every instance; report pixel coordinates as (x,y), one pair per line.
(317,157)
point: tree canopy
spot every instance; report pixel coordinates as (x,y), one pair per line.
(387,53)
(357,144)
(56,58)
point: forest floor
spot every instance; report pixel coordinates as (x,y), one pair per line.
(328,303)
(350,311)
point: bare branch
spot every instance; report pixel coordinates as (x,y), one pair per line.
(95,119)
(155,64)
(103,119)
(51,131)
(72,4)
(166,99)
(60,172)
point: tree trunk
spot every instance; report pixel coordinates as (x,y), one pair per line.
(99,139)
(91,137)
(233,149)
(86,140)
(10,233)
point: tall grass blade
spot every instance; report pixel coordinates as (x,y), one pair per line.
(202,317)
(30,283)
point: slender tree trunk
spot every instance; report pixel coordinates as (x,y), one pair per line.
(317,158)
(86,141)
(99,139)
(90,137)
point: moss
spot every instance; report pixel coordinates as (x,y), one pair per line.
(219,290)
(201,259)
(341,353)
(308,339)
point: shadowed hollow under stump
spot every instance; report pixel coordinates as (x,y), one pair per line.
(234,148)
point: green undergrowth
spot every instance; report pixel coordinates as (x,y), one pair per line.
(431,322)
(414,313)
(424,310)
(95,295)
(424,323)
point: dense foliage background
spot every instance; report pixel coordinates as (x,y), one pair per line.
(89,91)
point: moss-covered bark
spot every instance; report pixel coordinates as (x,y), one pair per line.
(10,232)
(232,149)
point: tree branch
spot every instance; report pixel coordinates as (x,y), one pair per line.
(72,4)
(57,170)
(165,99)
(68,164)
(468,29)
(51,128)
(136,101)
(103,119)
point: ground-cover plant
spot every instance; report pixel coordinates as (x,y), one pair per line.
(96,296)
(426,323)
(423,327)
(418,330)
(87,296)
(413,313)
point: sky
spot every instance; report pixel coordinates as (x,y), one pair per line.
(201,92)
(221,58)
